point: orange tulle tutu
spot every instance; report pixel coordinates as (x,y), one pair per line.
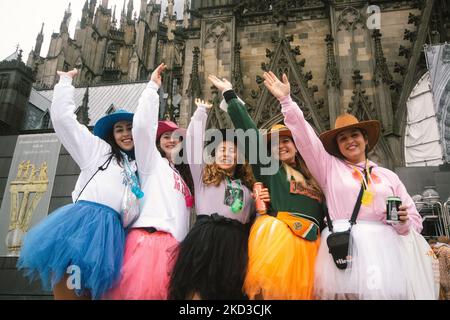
(281,264)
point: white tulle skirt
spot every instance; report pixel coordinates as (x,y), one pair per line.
(385,265)
(422,267)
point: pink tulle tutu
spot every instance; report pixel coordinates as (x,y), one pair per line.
(147,265)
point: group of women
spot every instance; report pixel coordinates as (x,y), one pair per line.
(129,165)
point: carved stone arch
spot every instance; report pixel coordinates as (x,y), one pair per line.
(350,19)
(79,63)
(279,118)
(218,119)
(213,121)
(283,60)
(361,107)
(215,32)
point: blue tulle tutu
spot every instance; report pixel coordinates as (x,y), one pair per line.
(86,235)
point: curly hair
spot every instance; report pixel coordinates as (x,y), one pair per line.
(213,175)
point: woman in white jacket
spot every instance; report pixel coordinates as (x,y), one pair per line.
(77,250)
(165,209)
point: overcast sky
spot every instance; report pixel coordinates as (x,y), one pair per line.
(21,20)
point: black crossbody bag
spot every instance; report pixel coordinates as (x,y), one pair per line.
(338,242)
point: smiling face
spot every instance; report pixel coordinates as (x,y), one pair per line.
(168,144)
(352,144)
(285,151)
(226,156)
(123,136)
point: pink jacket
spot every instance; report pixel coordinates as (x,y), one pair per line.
(338,179)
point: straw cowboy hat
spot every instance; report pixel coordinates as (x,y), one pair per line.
(282,130)
(348,121)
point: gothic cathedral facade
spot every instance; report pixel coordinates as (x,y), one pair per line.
(362,57)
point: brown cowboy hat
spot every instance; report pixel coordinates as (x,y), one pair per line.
(348,121)
(281,129)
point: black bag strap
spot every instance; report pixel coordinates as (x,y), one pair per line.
(103,167)
(355,209)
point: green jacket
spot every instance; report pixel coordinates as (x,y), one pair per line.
(279,186)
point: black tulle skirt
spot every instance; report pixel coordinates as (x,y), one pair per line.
(211,261)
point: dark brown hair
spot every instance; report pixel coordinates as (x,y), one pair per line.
(182,168)
(115,149)
(366,137)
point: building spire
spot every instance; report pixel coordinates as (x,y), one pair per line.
(130,10)
(92,6)
(143,8)
(123,15)
(83,111)
(170,6)
(85,14)
(66,20)
(114,20)
(39,41)
(186,13)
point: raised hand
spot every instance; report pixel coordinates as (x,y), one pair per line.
(221,84)
(157,74)
(275,86)
(200,102)
(72,73)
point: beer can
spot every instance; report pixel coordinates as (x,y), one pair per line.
(261,207)
(392,208)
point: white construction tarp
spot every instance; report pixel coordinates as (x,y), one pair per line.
(422,137)
(438,63)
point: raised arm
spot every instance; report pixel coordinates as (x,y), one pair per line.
(145,124)
(242,120)
(306,140)
(195,138)
(83,146)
